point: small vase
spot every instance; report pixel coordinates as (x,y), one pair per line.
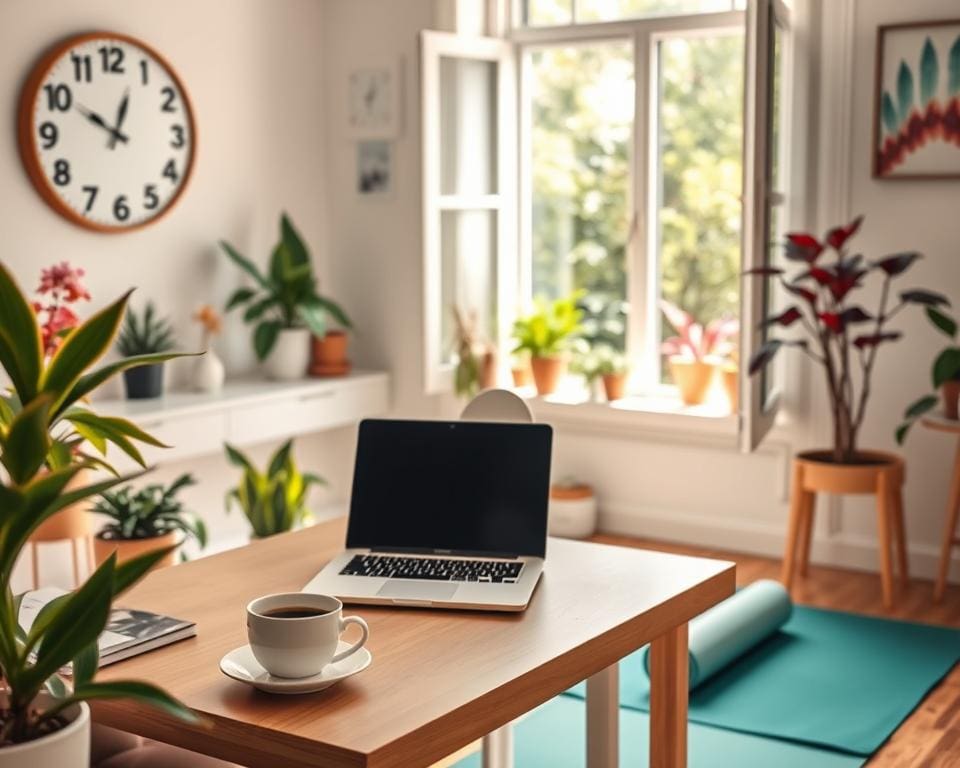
(68,747)
(208,373)
(144,382)
(290,355)
(127,549)
(950,392)
(547,372)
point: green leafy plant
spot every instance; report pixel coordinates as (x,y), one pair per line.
(285,297)
(276,500)
(146,335)
(601,360)
(551,329)
(40,427)
(946,367)
(149,512)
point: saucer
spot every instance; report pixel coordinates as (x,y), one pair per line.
(240,664)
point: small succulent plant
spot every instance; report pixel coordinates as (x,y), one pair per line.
(146,335)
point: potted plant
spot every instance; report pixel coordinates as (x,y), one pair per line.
(843,338)
(520,370)
(696,352)
(44,722)
(273,501)
(476,368)
(146,520)
(944,375)
(146,335)
(730,378)
(208,370)
(285,306)
(548,334)
(614,371)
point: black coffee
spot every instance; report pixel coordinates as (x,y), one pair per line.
(294,612)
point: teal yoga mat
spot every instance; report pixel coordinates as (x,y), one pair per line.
(734,627)
(554,736)
(826,678)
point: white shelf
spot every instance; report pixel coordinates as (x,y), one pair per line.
(250,411)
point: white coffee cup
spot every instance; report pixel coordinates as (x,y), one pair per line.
(295,634)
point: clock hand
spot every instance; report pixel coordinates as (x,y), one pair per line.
(121,116)
(94,118)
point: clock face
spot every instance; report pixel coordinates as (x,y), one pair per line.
(106,132)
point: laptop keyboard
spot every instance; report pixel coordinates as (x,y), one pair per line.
(433,568)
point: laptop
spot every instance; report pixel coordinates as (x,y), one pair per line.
(446,514)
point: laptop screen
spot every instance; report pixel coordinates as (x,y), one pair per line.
(463,487)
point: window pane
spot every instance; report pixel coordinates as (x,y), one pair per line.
(468,125)
(611,10)
(541,13)
(468,246)
(700,122)
(582,124)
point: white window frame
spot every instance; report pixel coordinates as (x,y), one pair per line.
(438,377)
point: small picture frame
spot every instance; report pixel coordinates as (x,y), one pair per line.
(374,168)
(916,121)
(374,101)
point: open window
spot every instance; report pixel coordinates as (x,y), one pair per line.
(469,193)
(766,175)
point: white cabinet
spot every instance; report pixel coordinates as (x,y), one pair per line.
(247,412)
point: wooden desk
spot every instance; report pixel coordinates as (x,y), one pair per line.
(439,679)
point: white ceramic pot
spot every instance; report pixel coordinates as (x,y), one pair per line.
(208,373)
(290,356)
(572,512)
(67,748)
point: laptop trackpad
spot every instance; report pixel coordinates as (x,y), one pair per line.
(407,589)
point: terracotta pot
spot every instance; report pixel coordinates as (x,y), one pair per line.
(821,473)
(127,549)
(730,376)
(68,747)
(547,372)
(331,349)
(488,370)
(615,385)
(693,378)
(522,376)
(71,522)
(950,392)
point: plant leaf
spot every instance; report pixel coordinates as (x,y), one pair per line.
(838,236)
(240,296)
(314,318)
(928,298)
(294,243)
(27,441)
(897,263)
(237,459)
(786,318)
(264,337)
(21,350)
(246,265)
(331,308)
(944,322)
(872,339)
(904,91)
(85,664)
(144,693)
(279,460)
(901,434)
(929,71)
(764,355)
(890,120)
(921,406)
(946,367)
(953,68)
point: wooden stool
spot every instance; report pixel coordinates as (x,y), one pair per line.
(69,524)
(813,473)
(950,540)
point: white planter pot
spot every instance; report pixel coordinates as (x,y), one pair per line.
(67,748)
(208,373)
(573,518)
(290,356)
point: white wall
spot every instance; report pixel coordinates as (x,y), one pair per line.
(253,69)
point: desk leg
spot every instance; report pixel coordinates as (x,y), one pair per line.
(669,674)
(949,530)
(498,748)
(603,718)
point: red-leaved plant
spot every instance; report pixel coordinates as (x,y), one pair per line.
(844,338)
(694,341)
(60,286)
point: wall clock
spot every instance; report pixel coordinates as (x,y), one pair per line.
(106,132)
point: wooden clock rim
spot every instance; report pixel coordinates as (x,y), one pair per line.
(27,139)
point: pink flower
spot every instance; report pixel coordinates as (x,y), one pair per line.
(63,279)
(63,284)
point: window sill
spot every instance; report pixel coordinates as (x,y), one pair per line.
(656,418)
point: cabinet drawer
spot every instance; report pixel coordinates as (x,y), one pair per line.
(187,436)
(326,407)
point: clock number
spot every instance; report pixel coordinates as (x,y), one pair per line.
(58,97)
(177,140)
(91,193)
(144,72)
(49,134)
(150,198)
(121,211)
(111,59)
(82,68)
(170,171)
(170,96)
(61,173)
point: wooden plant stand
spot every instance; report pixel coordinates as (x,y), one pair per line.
(950,540)
(881,475)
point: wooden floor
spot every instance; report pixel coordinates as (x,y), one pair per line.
(931,735)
